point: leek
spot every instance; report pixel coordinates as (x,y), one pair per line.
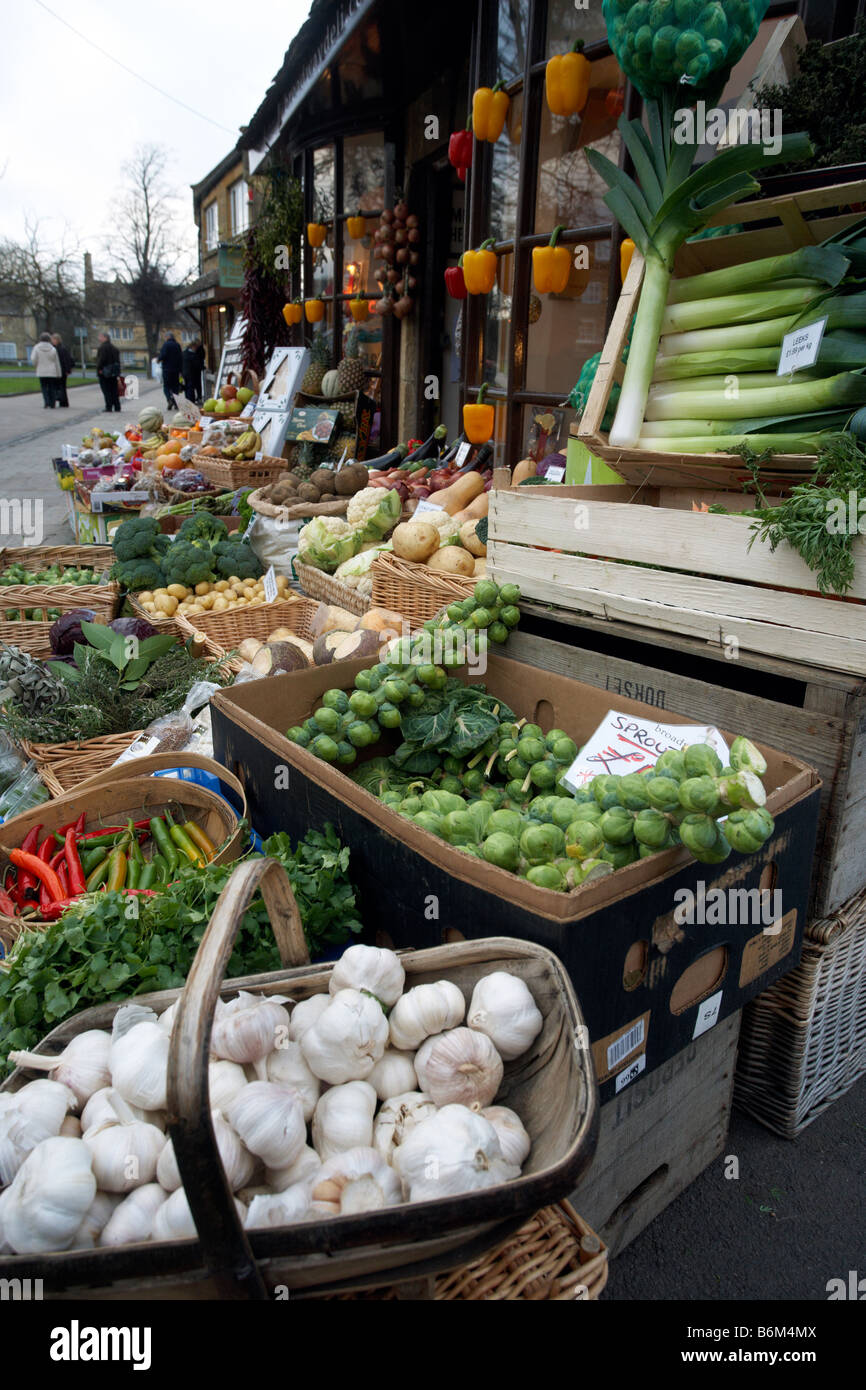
(786,398)
(823,263)
(812,421)
(837,350)
(737,308)
(732,338)
(709,444)
(745,381)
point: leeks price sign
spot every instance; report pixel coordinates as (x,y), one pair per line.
(800,348)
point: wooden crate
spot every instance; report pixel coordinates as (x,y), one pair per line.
(783,227)
(818,716)
(644,557)
(658,1135)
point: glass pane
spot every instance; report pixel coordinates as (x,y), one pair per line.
(566,23)
(496,325)
(363,173)
(568,327)
(544,430)
(511,49)
(506,172)
(568,191)
(360,66)
(323,270)
(323,184)
(368,339)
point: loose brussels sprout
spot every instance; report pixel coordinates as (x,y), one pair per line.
(546,876)
(389,716)
(531,750)
(458,828)
(473,781)
(506,823)
(479,813)
(328,720)
(590,811)
(617,826)
(543,775)
(605,789)
(359,734)
(346,753)
(362,681)
(452,784)
(442,801)
(531,731)
(494,795)
(363,703)
(410,805)
(297,734)
(619,855)
(501,849)
(633,792)
(563,811)
(583,840)
(540,844)
(563,750)
(428,820)
(325,748)
(336,699)
(514,789)
(396,690)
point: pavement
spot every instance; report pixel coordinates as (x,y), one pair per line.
(31,436)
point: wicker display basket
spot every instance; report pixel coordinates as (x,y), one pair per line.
(161,623)
(224,632)
(554,1257)
(803,1041)
(64,766)
(30,636)
(551,1087)
(414,590)
(101,598)
(338,506)
(166,493)
(327,589)
(227,473)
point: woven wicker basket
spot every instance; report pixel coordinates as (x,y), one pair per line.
(166,493)
(327,589)
(223,632)
(541,1263)
(163,624)
(336,507)
(63,766)
(803,1041)
(414,590)
(29,636)
(101,598)
(226,473)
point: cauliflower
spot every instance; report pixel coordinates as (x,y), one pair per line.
(355,574)
(362,505)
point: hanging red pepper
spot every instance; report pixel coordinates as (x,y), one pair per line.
(455,284)
(460,149)
(77,882)
(461,174)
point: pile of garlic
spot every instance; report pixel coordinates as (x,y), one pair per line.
(350,1101)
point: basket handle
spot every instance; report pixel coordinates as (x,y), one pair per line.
(224,1243)
(154,762)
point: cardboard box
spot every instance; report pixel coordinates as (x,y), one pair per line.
(648,981)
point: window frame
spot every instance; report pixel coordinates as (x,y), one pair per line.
(212,207)
(239,193)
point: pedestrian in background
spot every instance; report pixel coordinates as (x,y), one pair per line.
(193,366)
(46,364)
(171,359)
(66,364)
(108,371)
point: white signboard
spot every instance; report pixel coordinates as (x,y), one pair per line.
(800,348)
(625,743)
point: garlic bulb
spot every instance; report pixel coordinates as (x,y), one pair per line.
(281,1208)
(393,1074)
(173,1219)
(237,1161)
(288,1065)
(269,1118)
(453,1151)
(82,1065)
(371,968)
(139,1064)
(347,1040)
(71,1127)
(132,1221)
(344,1119)
(27,1117)
(423,1011)
(306,1165)
(354,1181)
(513,1138)
(167,1017)
(459,1068)
(124,1153)
(396,1120)
(502,1006)
(305,1014)
(52,1191)
(250,1028)
(225,1080)
(108,1106)
(95,1218)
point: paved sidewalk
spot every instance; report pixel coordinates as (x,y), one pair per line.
(30,437)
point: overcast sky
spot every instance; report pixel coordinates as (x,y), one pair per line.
(69,116)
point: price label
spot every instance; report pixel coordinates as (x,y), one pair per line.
(426,505)
(631,1072)
(708,1014)
(800,348)
(462,453)
(554,475)
(270,585)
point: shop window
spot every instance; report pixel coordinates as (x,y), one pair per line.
(211,227)
(239,203)
(323,183)
(569,193)
(496,339)
(360,71)
(511,49)
(565,23)
(505,174)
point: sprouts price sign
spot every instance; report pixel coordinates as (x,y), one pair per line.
(627,743)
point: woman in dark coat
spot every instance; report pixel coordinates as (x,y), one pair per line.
(108,371)
(193,365)
(171,359)
(66,366)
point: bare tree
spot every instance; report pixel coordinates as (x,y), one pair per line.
(43,282)
(144,244)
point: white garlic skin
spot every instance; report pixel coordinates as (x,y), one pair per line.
(94,1221)
(27,1117)
(503,1008)
(355,1181)
(139,1065)
(343,1119)
(513,1138)
(173,1219)
(347,1040)
(236,1159)
(225,1081)
(269,1119)
(49,1197)
(454,1151)
(251,1029)
(288,1065)
(393,1074)
(424,1011)
(131,1223)
(305,1166)
(124,1156)
(373,968)
(82,1065)
(281,1208)
(305,1014)
(396,1120)
(459,1068)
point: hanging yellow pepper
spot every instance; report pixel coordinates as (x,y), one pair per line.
(551,265)
(479,268)
(478,419)
(489,109)
(357,226)
(314,310)
(626,251)
(316,233)
(359,309)
(292,313)
(566,81)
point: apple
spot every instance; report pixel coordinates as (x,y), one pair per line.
(245,395)
(209,406)
(228,393)
(221,408)
(233,407)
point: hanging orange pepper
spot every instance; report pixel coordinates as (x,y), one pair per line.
(357,226)
(479,268)
(626,251)
(316,233)
(359,309)
(566,81)
(551,265)
(293,313)
(478,419)
(314,310)
(489,109)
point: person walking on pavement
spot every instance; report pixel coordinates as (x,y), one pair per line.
(171,359)
(46,364)
(66,365)
(108,371)
(193,366)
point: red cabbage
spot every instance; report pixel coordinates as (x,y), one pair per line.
(66,631)
(133,627)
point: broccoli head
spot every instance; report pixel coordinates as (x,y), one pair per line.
(203,530)
(141,573)
(162,545)
(187,564)
(236,557)
(135,538)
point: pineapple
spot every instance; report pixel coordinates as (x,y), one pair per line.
(312,382)
(307,461)
(350,371)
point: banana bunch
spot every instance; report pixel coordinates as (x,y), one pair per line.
(246,447)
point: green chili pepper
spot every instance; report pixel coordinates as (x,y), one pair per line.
(133,872)
(99,874)
(183,842)
(93,857)
(135,850)
(162,840)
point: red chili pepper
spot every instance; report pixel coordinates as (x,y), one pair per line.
(63,876)
(80,824)
(57,858)
(26,883)
(112,830)
(77,881)
(455,284)
(460,150)
(7,906)
(57,909)
(41,868)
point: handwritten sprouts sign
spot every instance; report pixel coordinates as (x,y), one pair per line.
(625,743)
